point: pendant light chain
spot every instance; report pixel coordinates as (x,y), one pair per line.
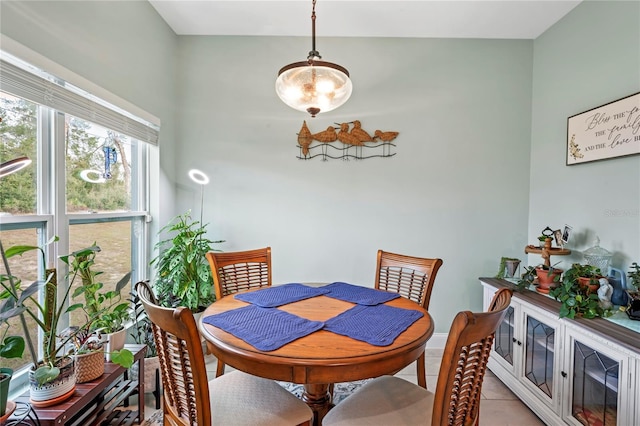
(314,54)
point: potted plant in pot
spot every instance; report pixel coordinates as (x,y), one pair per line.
(587,276)
(543,277)
(10,347)
(52,378)
(634,279)
(183,273)
(508,267)
(575,299)
(633,308)
(547,276)
(89,353)
(106,311)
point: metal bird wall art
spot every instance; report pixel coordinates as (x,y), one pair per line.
(345,141)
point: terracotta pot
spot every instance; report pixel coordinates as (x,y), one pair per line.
(546,281)
(585,282)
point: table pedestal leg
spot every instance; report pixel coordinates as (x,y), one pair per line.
(318,399)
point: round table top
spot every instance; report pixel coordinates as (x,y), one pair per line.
(322,356)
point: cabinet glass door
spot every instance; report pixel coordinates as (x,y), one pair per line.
(503,342)
(595,387)
(539,351)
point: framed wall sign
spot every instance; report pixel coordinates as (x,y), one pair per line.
(608,131)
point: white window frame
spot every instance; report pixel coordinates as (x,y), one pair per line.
(114,113)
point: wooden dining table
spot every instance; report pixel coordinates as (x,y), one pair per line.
(322,357)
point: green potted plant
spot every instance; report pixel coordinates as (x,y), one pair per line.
(56,369)
(183,273)
(541,276)
(508,266)
(587,275)
(527,279)
(548,276)
(634,276)
(542,239)
(10,347)
(106,311)
(89,353)
(575,299)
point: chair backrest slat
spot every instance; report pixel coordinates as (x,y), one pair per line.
(411,277)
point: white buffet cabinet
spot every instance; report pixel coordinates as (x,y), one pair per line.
(576,372)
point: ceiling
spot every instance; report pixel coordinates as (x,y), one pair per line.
(506,19)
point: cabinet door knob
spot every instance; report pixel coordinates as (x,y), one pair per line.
(514,339)
(519,343)
(563,374)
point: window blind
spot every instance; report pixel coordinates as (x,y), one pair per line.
(43,88)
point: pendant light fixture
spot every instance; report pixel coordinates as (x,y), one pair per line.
(314,86)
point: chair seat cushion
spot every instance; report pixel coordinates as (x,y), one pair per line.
(386,400)
(238,398)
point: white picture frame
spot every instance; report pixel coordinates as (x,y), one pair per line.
(566,233)
(608,131)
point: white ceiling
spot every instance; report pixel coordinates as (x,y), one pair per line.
(510,19)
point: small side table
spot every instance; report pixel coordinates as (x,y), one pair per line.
(96,402)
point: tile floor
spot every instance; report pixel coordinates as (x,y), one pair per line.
(499,406)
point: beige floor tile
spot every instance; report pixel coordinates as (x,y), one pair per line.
(432,365)
(493,388)
(432,381)
(496,412)
(434,352)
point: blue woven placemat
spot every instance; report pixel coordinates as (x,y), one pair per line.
(358,294)
(265,329)
(378,325)
(280,295)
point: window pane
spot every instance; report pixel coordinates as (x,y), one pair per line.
(25,268)
(98,163)
(18,138)
(114,259)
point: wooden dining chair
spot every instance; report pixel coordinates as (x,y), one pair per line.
(413,278)
(191,399)
(389,400)
(241,270)
(238,271)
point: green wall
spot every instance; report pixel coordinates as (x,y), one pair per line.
(589,58)
(457,187)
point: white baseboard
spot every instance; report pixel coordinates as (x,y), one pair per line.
(437,341)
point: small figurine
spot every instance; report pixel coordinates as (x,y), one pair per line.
(604,293)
